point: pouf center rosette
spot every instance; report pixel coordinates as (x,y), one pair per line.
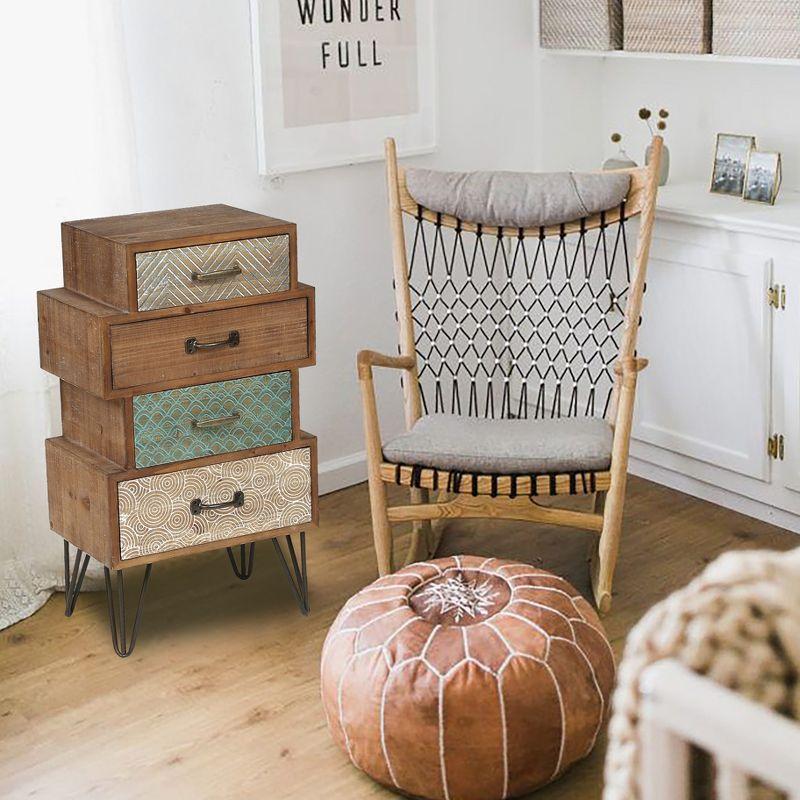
(466,678)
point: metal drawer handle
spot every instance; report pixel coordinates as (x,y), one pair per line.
(215,423)
(197,505)
(192,345)
(217,275)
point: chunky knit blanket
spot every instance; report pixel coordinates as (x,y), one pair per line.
(738,623)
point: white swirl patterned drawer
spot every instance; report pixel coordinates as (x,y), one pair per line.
(180,509)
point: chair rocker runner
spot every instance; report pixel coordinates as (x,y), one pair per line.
(518,305)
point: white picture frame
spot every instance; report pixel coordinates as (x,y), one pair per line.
(310,145)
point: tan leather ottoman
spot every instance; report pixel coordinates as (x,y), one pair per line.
(466,678)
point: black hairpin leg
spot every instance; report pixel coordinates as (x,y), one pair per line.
(244,568)
(298,580)
(118,633)
(74,579)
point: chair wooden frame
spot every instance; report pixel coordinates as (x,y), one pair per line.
(474,501)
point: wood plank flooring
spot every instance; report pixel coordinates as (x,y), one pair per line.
(221,697)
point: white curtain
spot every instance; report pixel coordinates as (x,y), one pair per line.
(68,152)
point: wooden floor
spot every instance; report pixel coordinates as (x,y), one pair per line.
(221,697)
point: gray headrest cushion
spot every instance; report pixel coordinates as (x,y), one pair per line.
(517,199)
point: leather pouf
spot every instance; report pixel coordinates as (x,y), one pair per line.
(466,678)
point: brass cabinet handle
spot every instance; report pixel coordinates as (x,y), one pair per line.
(215,423)
(197,506)
(217,274)
(192,345)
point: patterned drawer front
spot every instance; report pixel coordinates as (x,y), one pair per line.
(202,273)
(215,418)
(155,513)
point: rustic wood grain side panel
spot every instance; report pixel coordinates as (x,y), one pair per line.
(312,323)
(149,352)
(95,267)
(314,480)
(96,424)
(71,338)
(78,497)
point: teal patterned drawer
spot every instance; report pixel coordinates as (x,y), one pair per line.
(215,418)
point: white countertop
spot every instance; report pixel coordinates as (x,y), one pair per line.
(693,203)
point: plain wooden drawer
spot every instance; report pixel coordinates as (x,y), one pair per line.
(209,343)
(209,272)
(159,513)
(211,419)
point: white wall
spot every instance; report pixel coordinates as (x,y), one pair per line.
(704,98)
(191,86)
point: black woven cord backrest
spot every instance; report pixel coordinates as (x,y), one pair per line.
(513,324)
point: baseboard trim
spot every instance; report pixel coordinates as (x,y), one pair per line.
(714,494)
(339,473)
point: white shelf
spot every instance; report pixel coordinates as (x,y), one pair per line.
(709,58)
(693,203)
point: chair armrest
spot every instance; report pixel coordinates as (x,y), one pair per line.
(367,359)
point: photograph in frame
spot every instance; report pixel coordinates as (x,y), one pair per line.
(763,177)
(730,163)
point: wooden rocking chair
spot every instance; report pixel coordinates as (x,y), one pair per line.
(499,324)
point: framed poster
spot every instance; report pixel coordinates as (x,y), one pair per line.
(333,78)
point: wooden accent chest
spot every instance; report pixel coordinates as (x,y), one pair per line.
(177,337)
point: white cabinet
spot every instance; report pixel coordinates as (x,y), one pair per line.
(725,364)
(786,378)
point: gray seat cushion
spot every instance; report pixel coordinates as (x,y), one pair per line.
(517,199)
(503,446)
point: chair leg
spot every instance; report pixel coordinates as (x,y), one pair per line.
(606,548)
(420,547)
(598,503)
(74,580)
(381,527)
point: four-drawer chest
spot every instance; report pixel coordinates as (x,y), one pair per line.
(177,338)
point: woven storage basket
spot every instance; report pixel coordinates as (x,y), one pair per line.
(581,24)
(765,28)
(668,26)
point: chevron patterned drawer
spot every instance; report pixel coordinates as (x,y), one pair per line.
(211,419)
(167,512)
(208,272)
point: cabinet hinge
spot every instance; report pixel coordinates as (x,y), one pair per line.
(775,446)
(776,296)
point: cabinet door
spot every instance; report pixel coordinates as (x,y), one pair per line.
(707,332)
(786,373)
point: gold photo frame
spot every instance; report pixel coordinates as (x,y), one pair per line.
(762,180)
(728,171)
